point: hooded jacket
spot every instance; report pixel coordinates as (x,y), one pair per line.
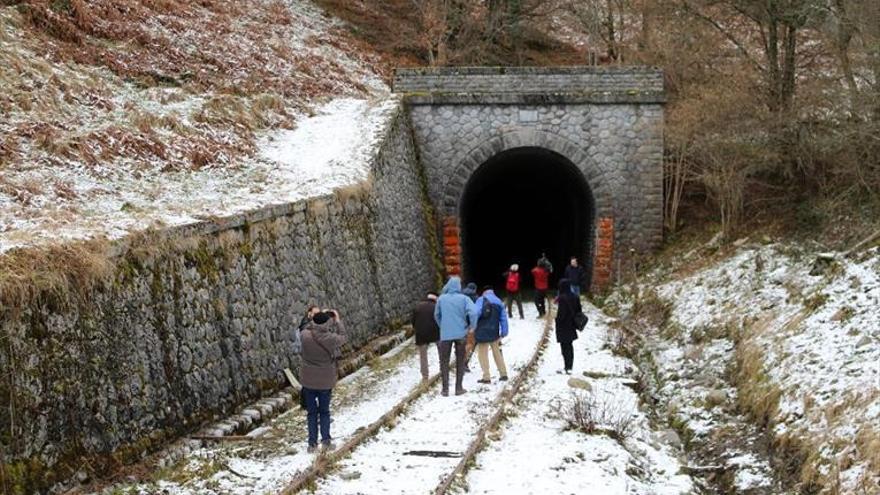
(490,325)
(568,306)
(454,312)
(321,346)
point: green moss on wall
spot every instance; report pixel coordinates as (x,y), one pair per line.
(430,216)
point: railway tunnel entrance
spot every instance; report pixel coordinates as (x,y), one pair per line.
(520,203)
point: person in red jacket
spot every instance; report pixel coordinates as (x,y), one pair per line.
(540,275)
(511,284)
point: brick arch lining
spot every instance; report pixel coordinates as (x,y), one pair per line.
(594,175)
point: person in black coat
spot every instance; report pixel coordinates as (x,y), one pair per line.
(426,329)
(568,305)
(575,275)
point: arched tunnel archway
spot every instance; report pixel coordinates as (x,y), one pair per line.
(520,203)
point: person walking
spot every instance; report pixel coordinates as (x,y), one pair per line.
(491,327)
(511,284)
(453,313)
(322,342)
(568,305)
(426,330)
(575,275)
(541,277)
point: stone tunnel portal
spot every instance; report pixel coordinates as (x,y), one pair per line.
(518,204)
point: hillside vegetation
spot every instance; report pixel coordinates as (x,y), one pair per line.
(110,105)
(774,109)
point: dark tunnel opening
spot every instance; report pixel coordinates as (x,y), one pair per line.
(518,204)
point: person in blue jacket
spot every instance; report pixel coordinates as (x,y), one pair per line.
(491,327)
(455,316)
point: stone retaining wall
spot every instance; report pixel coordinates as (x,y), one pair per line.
(198,321)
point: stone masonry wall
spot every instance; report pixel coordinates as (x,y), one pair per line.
(607,121)
(618,147)
(199,321)
(528,80)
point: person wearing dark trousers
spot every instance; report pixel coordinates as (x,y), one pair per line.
(426,330)
(511,284)
(322,342)
(540,275)
(575,275)
(454,314)
(568,305)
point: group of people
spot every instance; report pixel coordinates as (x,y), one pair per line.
(448,320)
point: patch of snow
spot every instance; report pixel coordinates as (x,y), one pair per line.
(433,422)
(326,151)
(538,454)
(817,335)
(48,196)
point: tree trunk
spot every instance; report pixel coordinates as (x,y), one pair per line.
(842,39)
(610,30)
(772,49)
(789,69)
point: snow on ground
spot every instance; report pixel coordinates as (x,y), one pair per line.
(538,455)
(88,153)
(326,151)
(569,462)
(266,467)
(433,422)
(811,324)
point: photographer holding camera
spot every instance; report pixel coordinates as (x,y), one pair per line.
(322,341)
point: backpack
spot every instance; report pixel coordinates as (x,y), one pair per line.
(489,323)
(512,282)
(487,310)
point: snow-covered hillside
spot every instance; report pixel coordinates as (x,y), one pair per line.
(239,111)
(787,336)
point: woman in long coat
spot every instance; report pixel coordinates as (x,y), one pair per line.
(566,331)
